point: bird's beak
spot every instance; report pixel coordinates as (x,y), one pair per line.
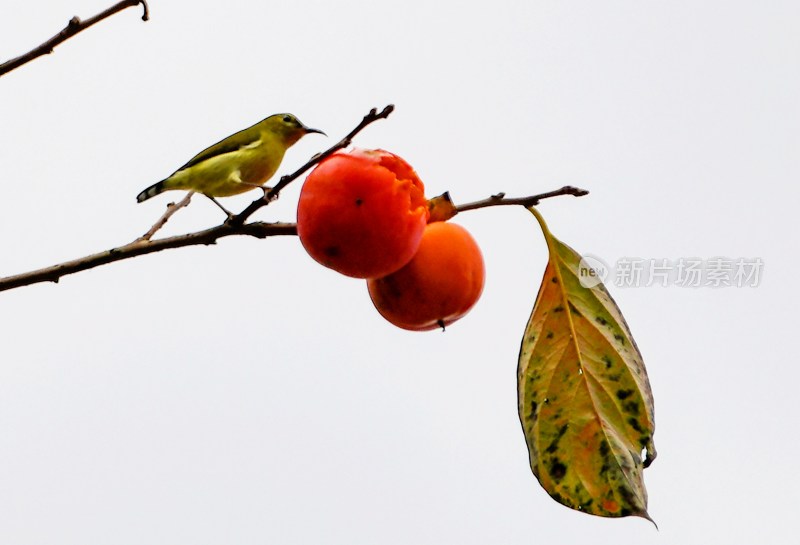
(309,129)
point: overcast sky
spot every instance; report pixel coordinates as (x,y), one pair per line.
(240,393)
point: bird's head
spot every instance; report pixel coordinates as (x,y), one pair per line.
(289,128)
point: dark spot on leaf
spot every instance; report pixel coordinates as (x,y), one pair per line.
(620,338)
(600,320)
(549,335)
(631,407)
(627,496)
(605,449)
(532,414)
(559,308)
(635,424)
(585,505)
(574,310)
(331,251)
(644,440)
(533,376)
(625,512)
(557,470)
(607,361)
(553,446)
(359,202)
(554,280)
(624,394)
(531,338)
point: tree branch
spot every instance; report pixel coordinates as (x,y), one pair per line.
(500,199)
(74,26)
(142,247)
(171,209)
(210,236)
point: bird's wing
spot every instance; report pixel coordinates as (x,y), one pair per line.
(247,138)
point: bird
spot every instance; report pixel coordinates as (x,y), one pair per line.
(241,162)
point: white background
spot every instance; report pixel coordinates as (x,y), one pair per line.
(241,393)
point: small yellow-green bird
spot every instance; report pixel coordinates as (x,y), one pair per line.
(239,163)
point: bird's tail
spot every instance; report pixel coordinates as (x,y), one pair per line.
(151,191)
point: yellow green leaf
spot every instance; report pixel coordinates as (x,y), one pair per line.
(584,397)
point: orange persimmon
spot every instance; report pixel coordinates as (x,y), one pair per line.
(440,284)
(362,213)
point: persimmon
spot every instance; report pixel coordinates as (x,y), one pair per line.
(440,284)
(362,213)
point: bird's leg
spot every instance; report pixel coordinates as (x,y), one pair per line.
(236,177)
(265,188)
(215,201)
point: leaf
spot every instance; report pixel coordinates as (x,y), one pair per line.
(584,398)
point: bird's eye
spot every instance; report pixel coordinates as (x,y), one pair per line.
(287,119)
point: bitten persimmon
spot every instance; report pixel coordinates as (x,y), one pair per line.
(440,284)
(362,213)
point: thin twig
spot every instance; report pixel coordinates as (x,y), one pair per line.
(171,209)
(210,236)
(285,180)
(137,248)
(500,199)
(74,26)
